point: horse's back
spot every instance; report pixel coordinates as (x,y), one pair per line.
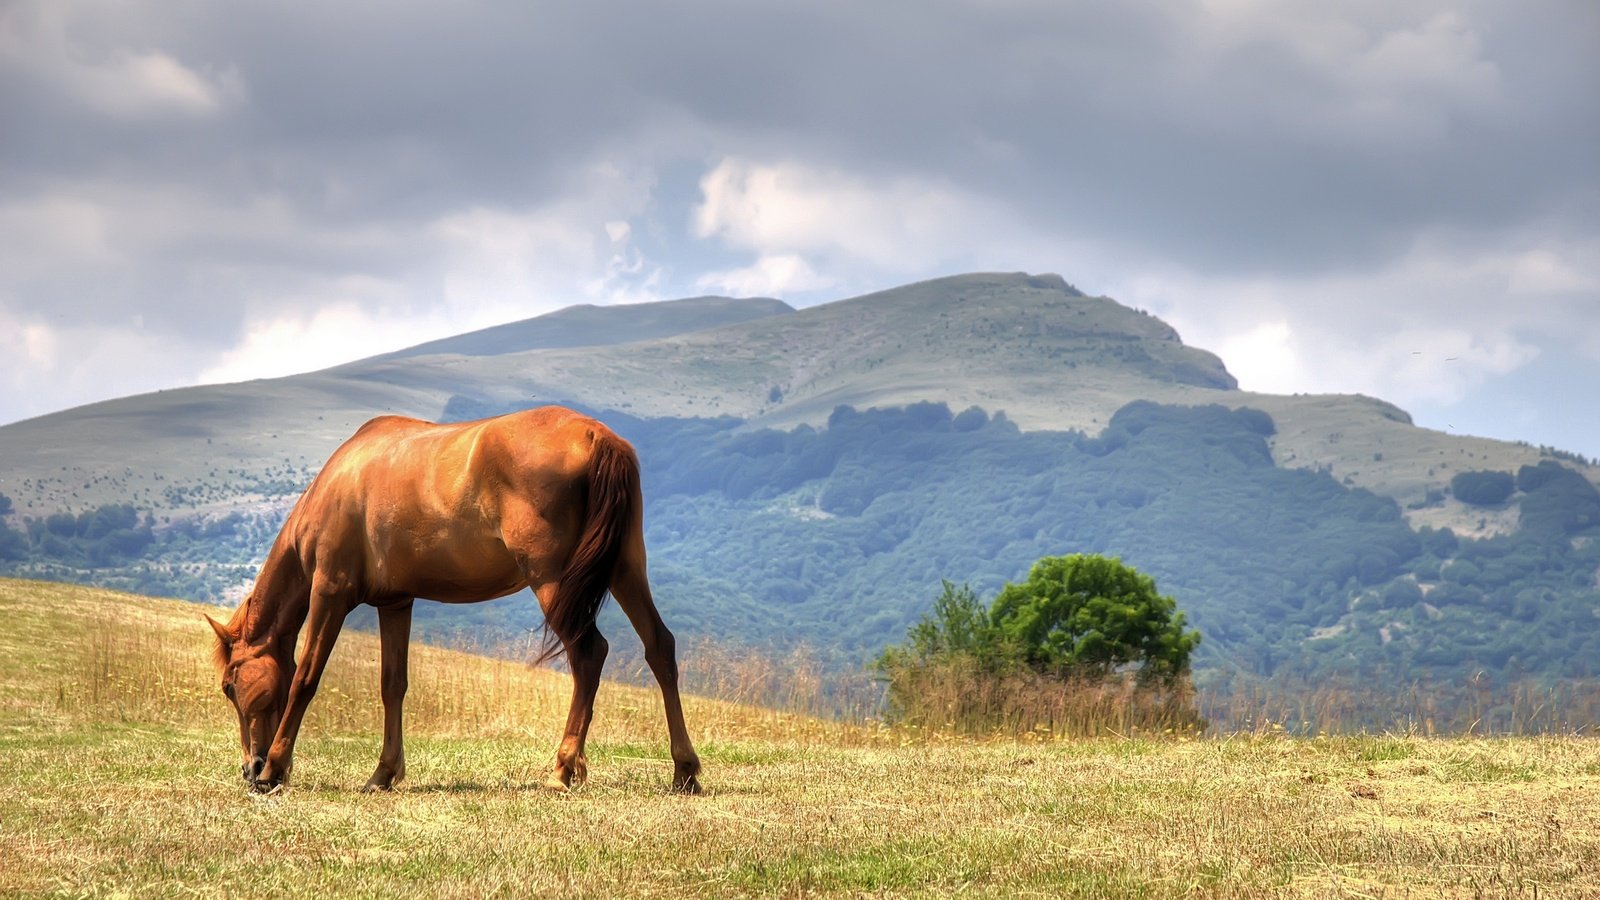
(548,437)
(415,507)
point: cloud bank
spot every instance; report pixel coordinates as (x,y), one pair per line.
(1399,199)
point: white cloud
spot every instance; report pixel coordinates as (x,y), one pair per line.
(768,276)
(205,286)
(1550,271)
(812,226)
(30,341)
(1263,355)
(473,268)
(1318,191)
(138,84)
(1431,327)
(39,40)
(49,365)
(896,224)
(1445,53)
(339,331)
(499,263)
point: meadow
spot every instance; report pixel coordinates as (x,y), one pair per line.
(119,777)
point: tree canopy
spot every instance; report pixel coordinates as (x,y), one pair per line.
(1092,613)
(1074,615)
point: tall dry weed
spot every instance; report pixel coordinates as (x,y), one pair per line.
(137,672)
(955,693)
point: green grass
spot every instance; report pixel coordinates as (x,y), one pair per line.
(105,793)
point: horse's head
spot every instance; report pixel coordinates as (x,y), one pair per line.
(256,681)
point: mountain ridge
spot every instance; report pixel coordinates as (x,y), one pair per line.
(1032,346)
(576,326)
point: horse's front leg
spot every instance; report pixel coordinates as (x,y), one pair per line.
(328,609)
(586,656)
(394,630)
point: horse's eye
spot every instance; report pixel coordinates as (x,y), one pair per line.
(227,689)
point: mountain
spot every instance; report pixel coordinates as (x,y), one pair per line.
(813,474)
(1033,346)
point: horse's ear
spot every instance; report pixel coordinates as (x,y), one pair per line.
(225,640)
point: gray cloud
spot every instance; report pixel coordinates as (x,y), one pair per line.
(202,175)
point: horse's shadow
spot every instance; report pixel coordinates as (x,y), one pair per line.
(461,788)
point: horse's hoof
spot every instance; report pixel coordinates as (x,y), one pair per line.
(377,787)
(690,785)
(554,783)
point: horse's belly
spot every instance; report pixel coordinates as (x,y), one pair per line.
(449,572)
(463,590)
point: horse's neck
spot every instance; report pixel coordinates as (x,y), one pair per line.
(276,608)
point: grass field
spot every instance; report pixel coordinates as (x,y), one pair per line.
(118,776)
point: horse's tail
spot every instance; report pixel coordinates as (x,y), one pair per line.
(613,491)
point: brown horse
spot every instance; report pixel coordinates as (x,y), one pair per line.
(547,499)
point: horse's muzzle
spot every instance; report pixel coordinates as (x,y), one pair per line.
(252,769)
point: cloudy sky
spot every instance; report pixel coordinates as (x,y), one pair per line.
(1396,198)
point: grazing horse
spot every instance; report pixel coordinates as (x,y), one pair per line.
(546,498)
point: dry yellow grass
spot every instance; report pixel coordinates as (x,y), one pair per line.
(118,777)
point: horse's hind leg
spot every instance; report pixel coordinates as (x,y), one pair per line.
(394,631)
(586,656)
(631,587)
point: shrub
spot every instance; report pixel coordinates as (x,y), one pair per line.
(1086,645)
(1483,488)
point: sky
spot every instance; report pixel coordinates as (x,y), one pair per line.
(1394,198)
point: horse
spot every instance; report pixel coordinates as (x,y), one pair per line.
(546,499)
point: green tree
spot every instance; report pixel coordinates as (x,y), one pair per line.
(1091,613)
(948,657)
(958,624)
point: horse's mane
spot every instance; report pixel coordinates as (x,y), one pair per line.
(222,652)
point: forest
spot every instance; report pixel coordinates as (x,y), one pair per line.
(840,538)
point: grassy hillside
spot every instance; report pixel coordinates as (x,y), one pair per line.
(586,325)
(119,778)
